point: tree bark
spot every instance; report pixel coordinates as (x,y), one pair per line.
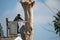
(27,6)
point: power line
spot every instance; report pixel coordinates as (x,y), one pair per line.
(47,29)
(50,31)
(52,12)
(54,37)
(48,7)
(50,24)
(56,9)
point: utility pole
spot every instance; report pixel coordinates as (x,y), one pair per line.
(0,31)
(7,26)
(27,6)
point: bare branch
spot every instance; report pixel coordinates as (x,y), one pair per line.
(28,0)
(21,1)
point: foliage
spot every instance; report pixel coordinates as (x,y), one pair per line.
(1,31)
(57,23)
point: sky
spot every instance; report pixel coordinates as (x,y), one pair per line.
(43,12)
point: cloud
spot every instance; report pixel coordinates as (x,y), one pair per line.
(10,14)
(41,13)
(54,4)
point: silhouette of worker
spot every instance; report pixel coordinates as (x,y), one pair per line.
(18,18)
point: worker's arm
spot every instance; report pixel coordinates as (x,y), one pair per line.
(20,18)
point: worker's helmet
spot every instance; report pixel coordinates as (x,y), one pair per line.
(18,15)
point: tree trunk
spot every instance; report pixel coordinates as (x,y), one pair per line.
(27,6)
